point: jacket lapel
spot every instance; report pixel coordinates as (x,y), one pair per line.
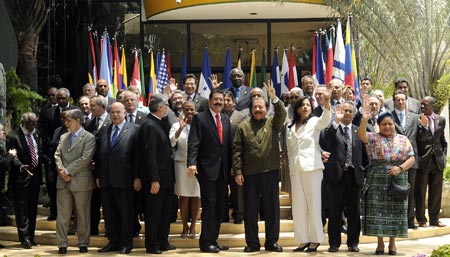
(213,126)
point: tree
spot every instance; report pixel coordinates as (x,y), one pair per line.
(409,38)
(28,17)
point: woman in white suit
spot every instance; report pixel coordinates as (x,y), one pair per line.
(186,187)
(306,166)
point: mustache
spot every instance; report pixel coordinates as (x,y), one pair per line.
(218,104)
(258,112)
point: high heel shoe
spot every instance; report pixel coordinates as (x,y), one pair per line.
(312,249)
(301,248)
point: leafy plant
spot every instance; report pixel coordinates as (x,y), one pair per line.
(447,171)
(442,251)
(441,93)
(20,99)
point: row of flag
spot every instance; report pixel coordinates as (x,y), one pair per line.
(336,62)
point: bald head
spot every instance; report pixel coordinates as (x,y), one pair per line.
(117,113)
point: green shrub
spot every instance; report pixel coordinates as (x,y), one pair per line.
(442,251)
(447,171)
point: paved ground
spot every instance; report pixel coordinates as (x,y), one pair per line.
(407,248)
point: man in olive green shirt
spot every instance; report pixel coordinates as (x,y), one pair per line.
(256,163)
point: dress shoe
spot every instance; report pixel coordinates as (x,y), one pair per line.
(167,247)
(52,217)
(333,249)
(379,250)
(249,249)
(125,250)
(83,249)
(62,250)
(422,224)
(353,249)
(437,224)
(222,247)
(393,251)
(108,248)
(238,220)
(274,248)
(301,248)
(2,246)
(154,250)
(34,243)
(413,227)
(26,244)
(312,249)
(210,249)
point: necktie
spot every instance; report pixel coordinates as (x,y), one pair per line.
(237,94)
(86,119)
(431,124)
(97,123)
(130,118)
(401,116)
(74,136)
(219,127)
(33,154)
(313,103)
(349,157)
(115,135)
(188,98)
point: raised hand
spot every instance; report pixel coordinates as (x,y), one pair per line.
(366,114)
(270,90)
(423,120)
(339,113)
(214,83)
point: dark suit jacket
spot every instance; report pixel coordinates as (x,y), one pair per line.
(117,165)
(201,103)
(212,158)
(357,121)
(155,153)
(236,117)
(410,130)
(17,179)
(337,146)
(245,98)
(429,145)
(90,125)
(140,118)
(413,105)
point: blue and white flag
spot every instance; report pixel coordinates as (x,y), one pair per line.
(204,85)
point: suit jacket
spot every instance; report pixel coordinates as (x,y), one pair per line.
(413,105)
(212,158)
(117,165)
(156,162)
(201,103)
(236,118)
(337,146)
(410,130)
(140,118)
(17,179)
(357,121)
(90,126)
(429,144)
(76,159)
(245,98)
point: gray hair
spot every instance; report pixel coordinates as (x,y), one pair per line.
(101,100)
(156,101)
(64,90)
(75,114)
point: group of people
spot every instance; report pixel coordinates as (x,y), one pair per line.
(331,153)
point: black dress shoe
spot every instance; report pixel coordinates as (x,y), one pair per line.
(249,249)
(108,248)
(154,250)
(333,249)
(26,244)
(83,249)
(2,246)
(52,217)
(222,247)
(125,250)
(62,250)
(301,248)
(353,249)
(167,247)
(238,220)
(34,243)
(274,248)
(210,249)
(312,249)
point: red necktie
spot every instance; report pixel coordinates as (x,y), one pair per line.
(34,160)
(219,127)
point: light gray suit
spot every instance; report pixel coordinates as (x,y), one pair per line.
(76,159)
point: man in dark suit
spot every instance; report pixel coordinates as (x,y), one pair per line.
(242,93)
(412,105)
(157,173)
(407,123)
(432,150)
(117,175)
(190,93)
(209,156)
(25,177)
(346,170)
(102,89)
(372,125)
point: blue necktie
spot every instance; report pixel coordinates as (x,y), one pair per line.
(237,94)
(401,116)
(115,135)
(74,136)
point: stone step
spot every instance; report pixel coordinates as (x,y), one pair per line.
(46,237)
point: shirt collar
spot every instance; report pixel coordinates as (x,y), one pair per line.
(103,116)
(77,133)
(120,126)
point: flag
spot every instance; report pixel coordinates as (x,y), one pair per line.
(152,81)
(92,62)
(275,74)
(292,79)
(339,55)
(183,70)
(238,64)
(169,70)
(314,58)
(105,72)
(320,75)
(351,75)
(116,81)
(329,69)
(158,62)
(163,76)
(284,73)
(141,72)
(253,80)
(123,71)
(263,68)
(227,70)
(204,85)
(136,76)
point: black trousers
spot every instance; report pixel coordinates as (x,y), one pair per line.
(261,190)
(411,196)
(157,217)
(213,202)
(432,178)
(25,205)
(237,199)
(344,194)
(50,171)
(96,202)
(118,211)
